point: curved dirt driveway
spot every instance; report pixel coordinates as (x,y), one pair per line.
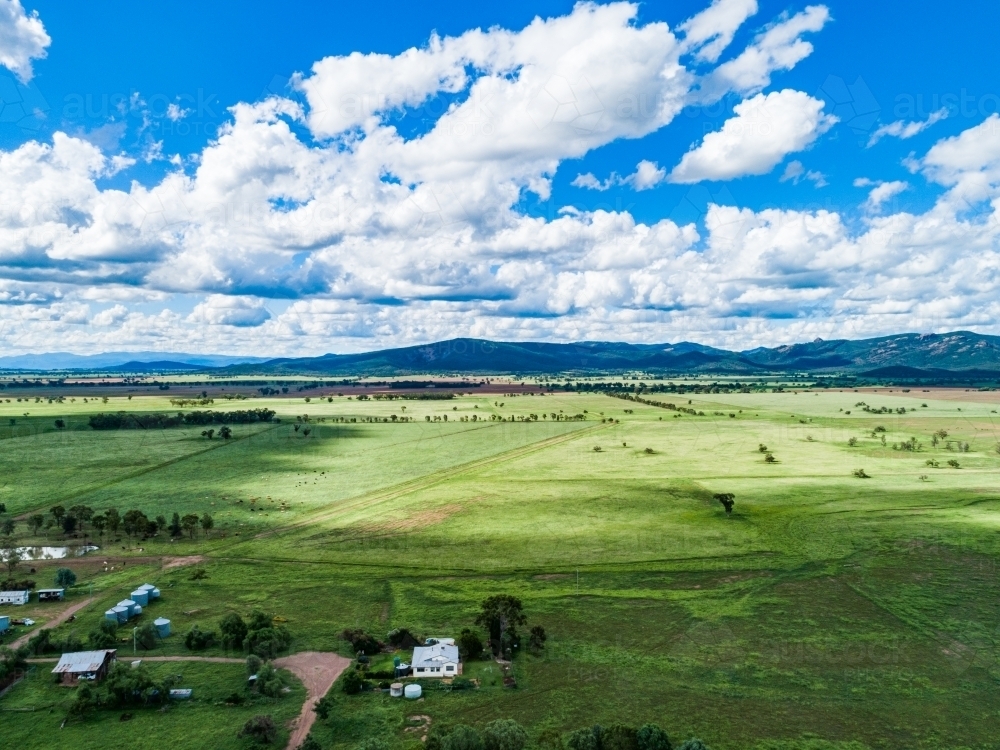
(57,620)
(318,671)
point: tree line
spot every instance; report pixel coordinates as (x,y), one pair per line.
(128,421)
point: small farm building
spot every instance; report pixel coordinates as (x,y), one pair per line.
(85,665)
(14,597)
(51,595)
(438,660)
(4,623)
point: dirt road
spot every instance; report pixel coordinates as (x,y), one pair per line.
(318,671)
(57,620)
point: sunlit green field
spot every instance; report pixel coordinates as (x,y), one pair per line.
(827,609)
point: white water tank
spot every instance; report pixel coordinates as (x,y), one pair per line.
(412,691)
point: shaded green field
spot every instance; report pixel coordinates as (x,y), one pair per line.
(826,609)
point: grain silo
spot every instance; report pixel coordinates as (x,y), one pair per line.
(140,597)
(162,625)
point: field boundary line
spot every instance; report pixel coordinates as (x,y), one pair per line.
(428,480)
(146,470)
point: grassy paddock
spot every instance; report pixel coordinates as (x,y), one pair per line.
(828,612)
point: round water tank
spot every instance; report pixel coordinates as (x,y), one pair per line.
(136,610)
(412,691)
(111,615)
(122,614)
(140,597)
(154,594)
(128,604)
(396,689)
(162,626)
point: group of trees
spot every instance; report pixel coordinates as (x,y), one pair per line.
(124,687)
(134,523)
(258,636)
(507,734)
(128,421)
(500,615)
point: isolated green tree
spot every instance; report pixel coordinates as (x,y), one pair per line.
(207,523)
(175,525)
(65,578)
(190,524)
(497,614)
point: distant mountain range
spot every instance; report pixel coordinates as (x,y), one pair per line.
(120,361)
(909,356)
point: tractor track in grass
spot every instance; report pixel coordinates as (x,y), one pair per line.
(140,472)
(429,480)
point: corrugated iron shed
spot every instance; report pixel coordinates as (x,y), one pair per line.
(82,661)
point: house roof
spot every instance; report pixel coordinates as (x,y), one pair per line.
(434,656)
(82,661)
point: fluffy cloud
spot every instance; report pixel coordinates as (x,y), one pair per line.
(765,129)
(22,39)
(647,175)
(219,310)
(354,235)
(709,33)
(902,129)
(881,192)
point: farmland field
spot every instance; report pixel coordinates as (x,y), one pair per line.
(828,610)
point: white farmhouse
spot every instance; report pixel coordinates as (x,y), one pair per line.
(440,659)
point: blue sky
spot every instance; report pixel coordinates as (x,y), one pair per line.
(764,173)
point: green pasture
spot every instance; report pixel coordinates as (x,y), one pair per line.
(828,611)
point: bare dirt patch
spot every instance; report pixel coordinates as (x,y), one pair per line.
(419,520)
(169,563)
(317,671)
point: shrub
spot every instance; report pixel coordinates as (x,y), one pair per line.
(270,681)
(953,463)
(310,743)
(401,638)
(586,739)
(536,642)
(374,743)
(254,664)
(470,645)
(504,734)
(651,737)
(147,636)
(462,737)
(861,474)
(267,642)
(361,641)
(619,737)
(353,684)
(198,639)
(693,744)
(233,630)
(260,729)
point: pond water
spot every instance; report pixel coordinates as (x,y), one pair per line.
(55,553)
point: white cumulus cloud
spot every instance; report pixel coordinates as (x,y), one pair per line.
(22,39)
(765,129)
